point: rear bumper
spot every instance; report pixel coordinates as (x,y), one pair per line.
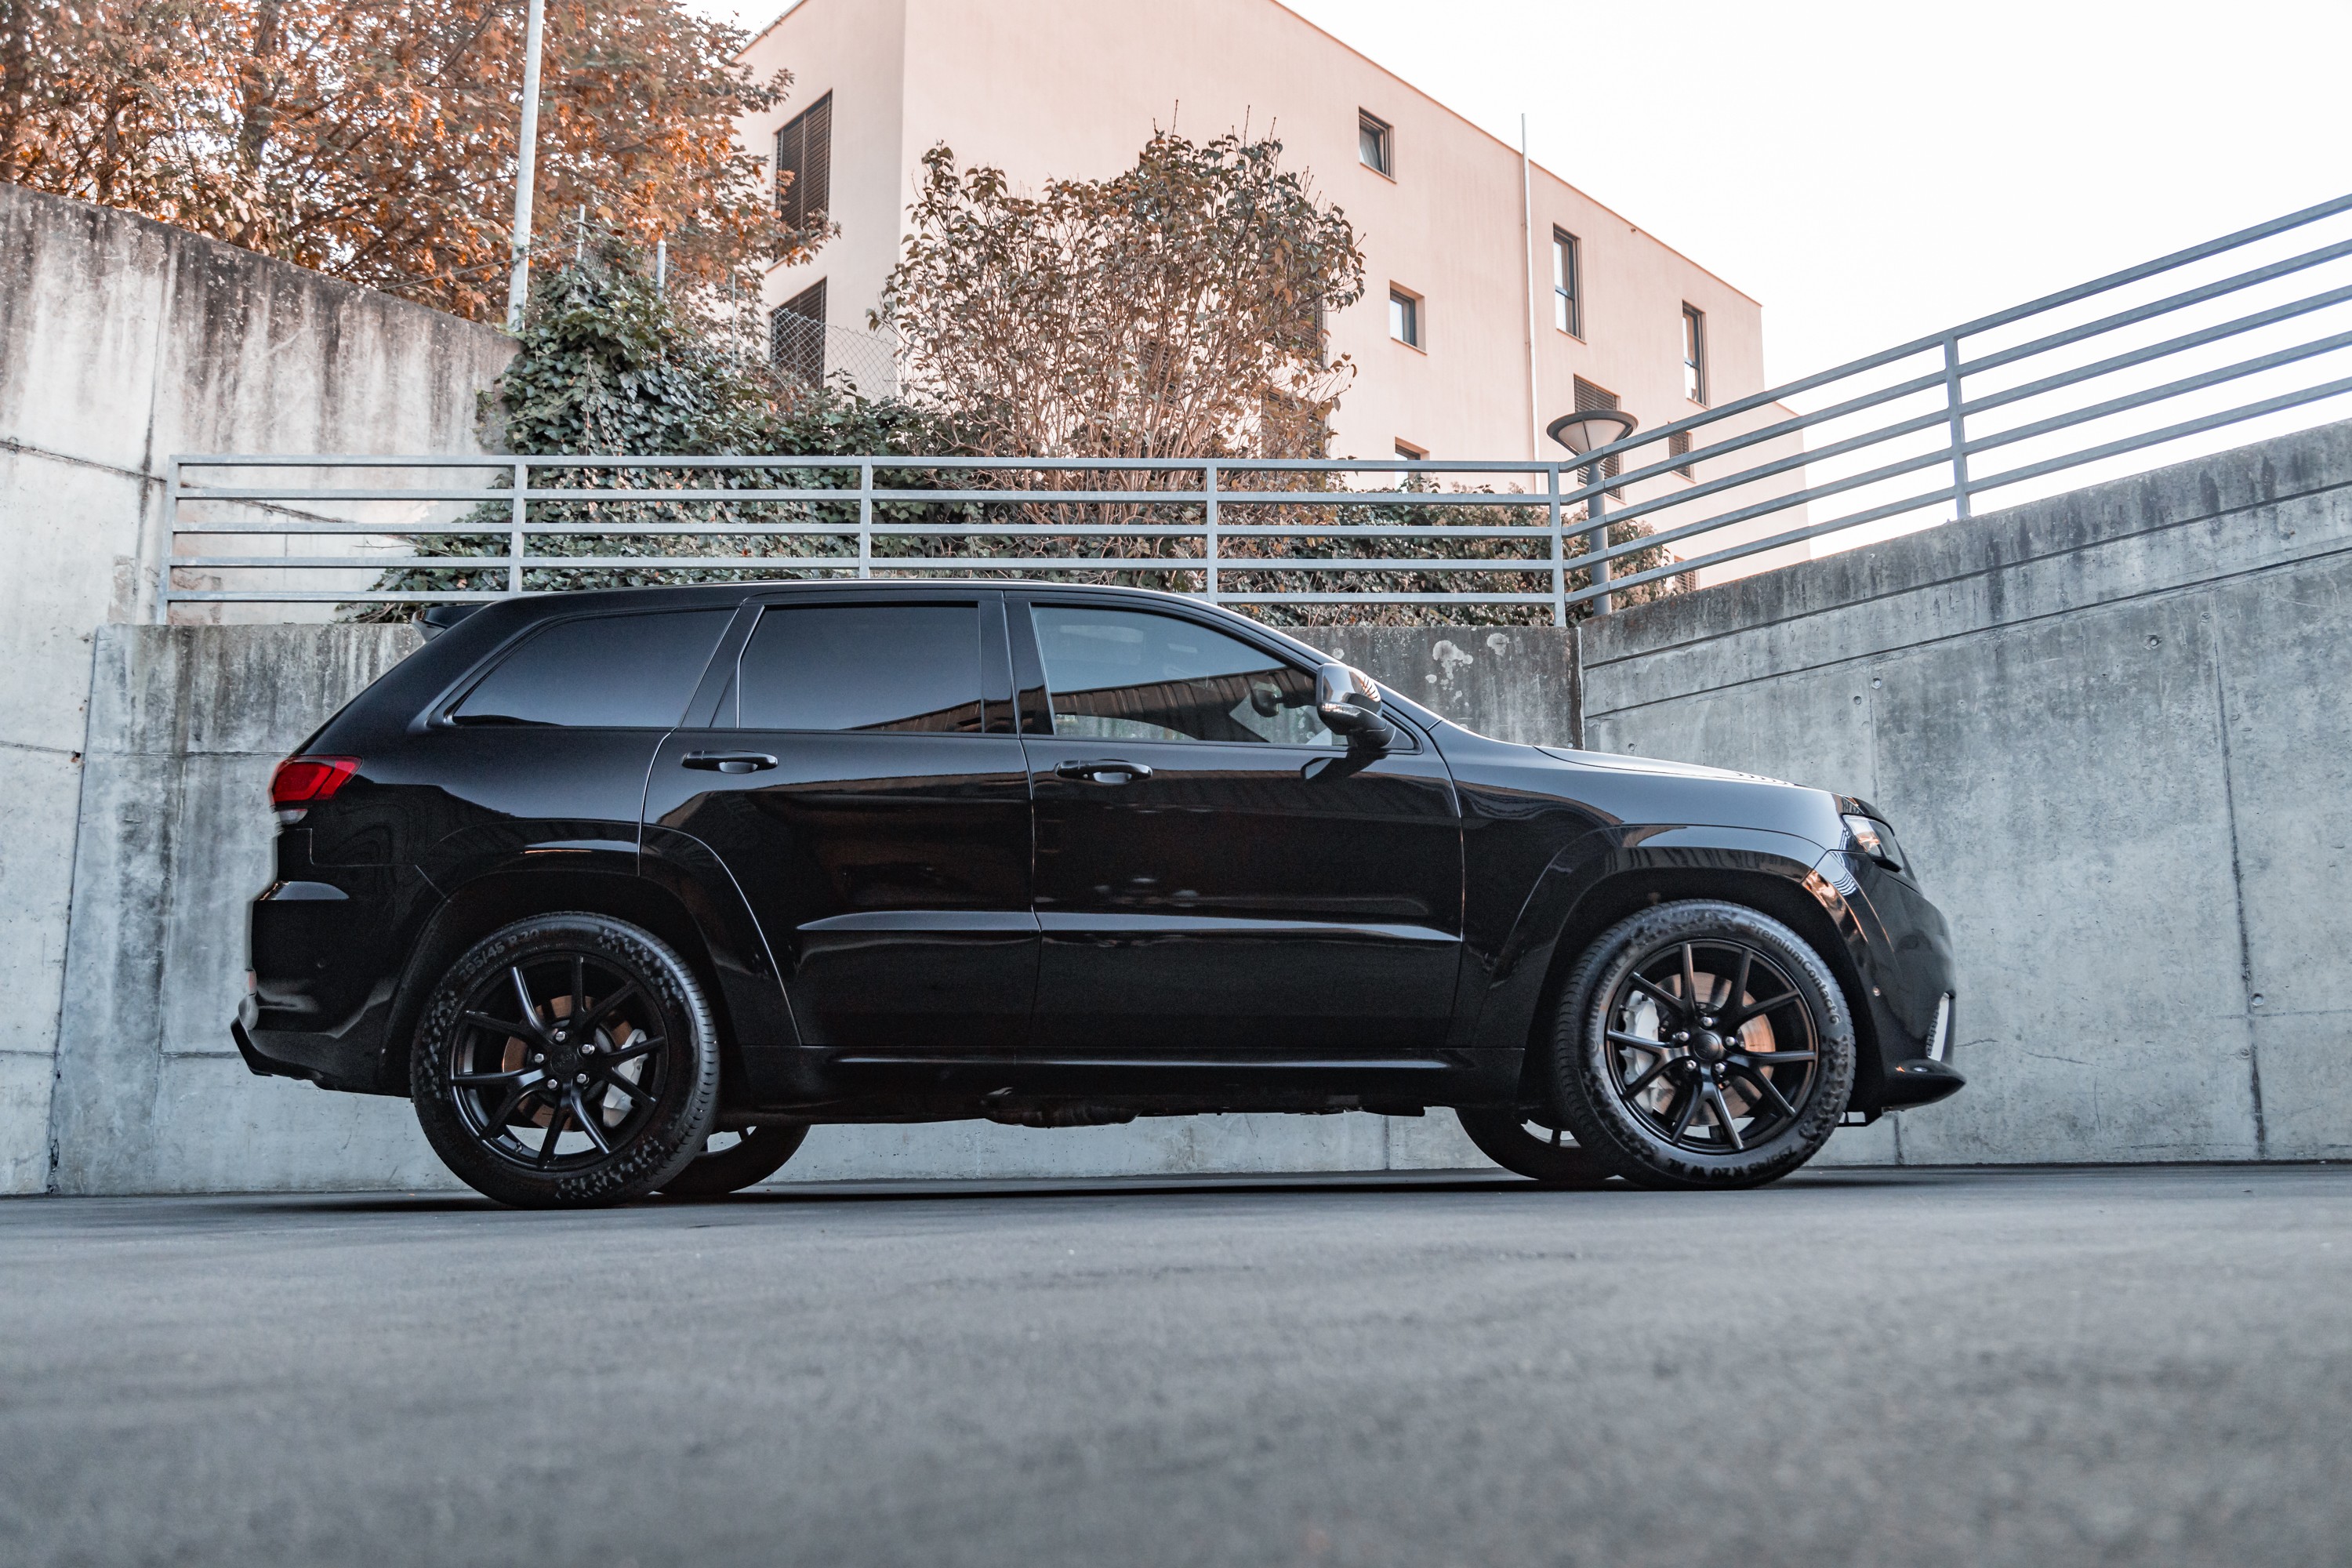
(345,1061)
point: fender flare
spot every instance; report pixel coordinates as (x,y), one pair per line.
(1598,878)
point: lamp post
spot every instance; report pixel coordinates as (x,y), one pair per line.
(1589,430)
(526,162)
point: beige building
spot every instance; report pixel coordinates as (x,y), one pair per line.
(1496,292)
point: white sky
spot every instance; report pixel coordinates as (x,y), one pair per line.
(1872,170)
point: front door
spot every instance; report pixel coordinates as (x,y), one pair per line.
(1216,871)
(860,779)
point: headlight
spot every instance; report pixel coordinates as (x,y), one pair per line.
(1875,840)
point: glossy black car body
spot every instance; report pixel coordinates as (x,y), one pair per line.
(967,914)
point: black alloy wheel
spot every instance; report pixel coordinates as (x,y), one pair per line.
(566,1060)
(1523,1140)
(731,1160)
(1702,1045)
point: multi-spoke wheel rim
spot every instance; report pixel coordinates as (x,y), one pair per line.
(557,1062)
(1712,1047)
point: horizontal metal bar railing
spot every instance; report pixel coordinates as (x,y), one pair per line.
(1731,482)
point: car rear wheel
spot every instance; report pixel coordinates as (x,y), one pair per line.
(729,1162)
(1524,1142)
(566,1060)
(1702,1044)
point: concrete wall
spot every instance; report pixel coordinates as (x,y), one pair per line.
(2113,728)
(185,724)
(121,343)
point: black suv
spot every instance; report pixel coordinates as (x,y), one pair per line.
(626,890)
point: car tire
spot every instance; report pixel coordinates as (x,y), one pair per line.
(757,1154)
(526,1106)
(1702,1044)
(1527,1147)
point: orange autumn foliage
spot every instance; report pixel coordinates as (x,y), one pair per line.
(376,140)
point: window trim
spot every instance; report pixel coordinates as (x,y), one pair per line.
(1564,244)
(442,712)
(1695,388)
(757,610)
(1406,452)
(1385,133)
(1029,658)
(1418,316)
(776,156)
(775,360)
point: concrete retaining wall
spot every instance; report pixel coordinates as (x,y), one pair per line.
(2114,727)
(121,343)
(185,724)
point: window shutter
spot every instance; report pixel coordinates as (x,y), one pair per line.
(804,151)
(797,335)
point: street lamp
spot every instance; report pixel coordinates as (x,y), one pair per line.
(526,162)
(1589,430)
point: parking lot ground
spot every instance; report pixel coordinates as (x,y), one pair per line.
(2137,1366)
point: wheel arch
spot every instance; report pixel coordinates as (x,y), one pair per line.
(1786,890)
(500,898)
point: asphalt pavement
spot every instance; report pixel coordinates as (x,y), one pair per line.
(2034,1367)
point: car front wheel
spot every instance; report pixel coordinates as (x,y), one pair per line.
(1702,1044)
(566,1060)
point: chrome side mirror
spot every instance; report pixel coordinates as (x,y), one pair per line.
(1348,702)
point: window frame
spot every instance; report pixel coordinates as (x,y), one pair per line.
(1695,389)
(991,707)
(1414,316)
(443,710)
(1567,283)
(775,359)
(784,199)
(1406,452)
(1029,666)
(1383,135)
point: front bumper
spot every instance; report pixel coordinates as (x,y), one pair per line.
(1902,949)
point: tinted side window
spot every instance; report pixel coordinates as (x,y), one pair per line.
(1125,675)
(862,667)
(630,672)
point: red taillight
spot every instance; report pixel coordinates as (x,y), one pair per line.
(307,781)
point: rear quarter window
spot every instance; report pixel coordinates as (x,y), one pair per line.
(599,673)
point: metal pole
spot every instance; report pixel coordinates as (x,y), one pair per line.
(1527,274)
(171,542)
(661,267)
(1595,512)
(865,519)
(526,167)
(1959,424)
(514,537)
(1558,551)
(1209,486)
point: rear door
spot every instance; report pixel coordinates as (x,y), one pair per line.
(859,776)
(1215,870)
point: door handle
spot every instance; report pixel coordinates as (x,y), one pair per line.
(1108,772)
(728,762)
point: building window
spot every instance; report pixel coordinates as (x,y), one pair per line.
(797,335)
(1589,396)
(1694,354)
(1678,445)
(1404,317)
(1567,284)
(1376,144)
(804,165)
(1408,453)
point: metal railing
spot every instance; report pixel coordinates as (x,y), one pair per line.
(2139,365)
